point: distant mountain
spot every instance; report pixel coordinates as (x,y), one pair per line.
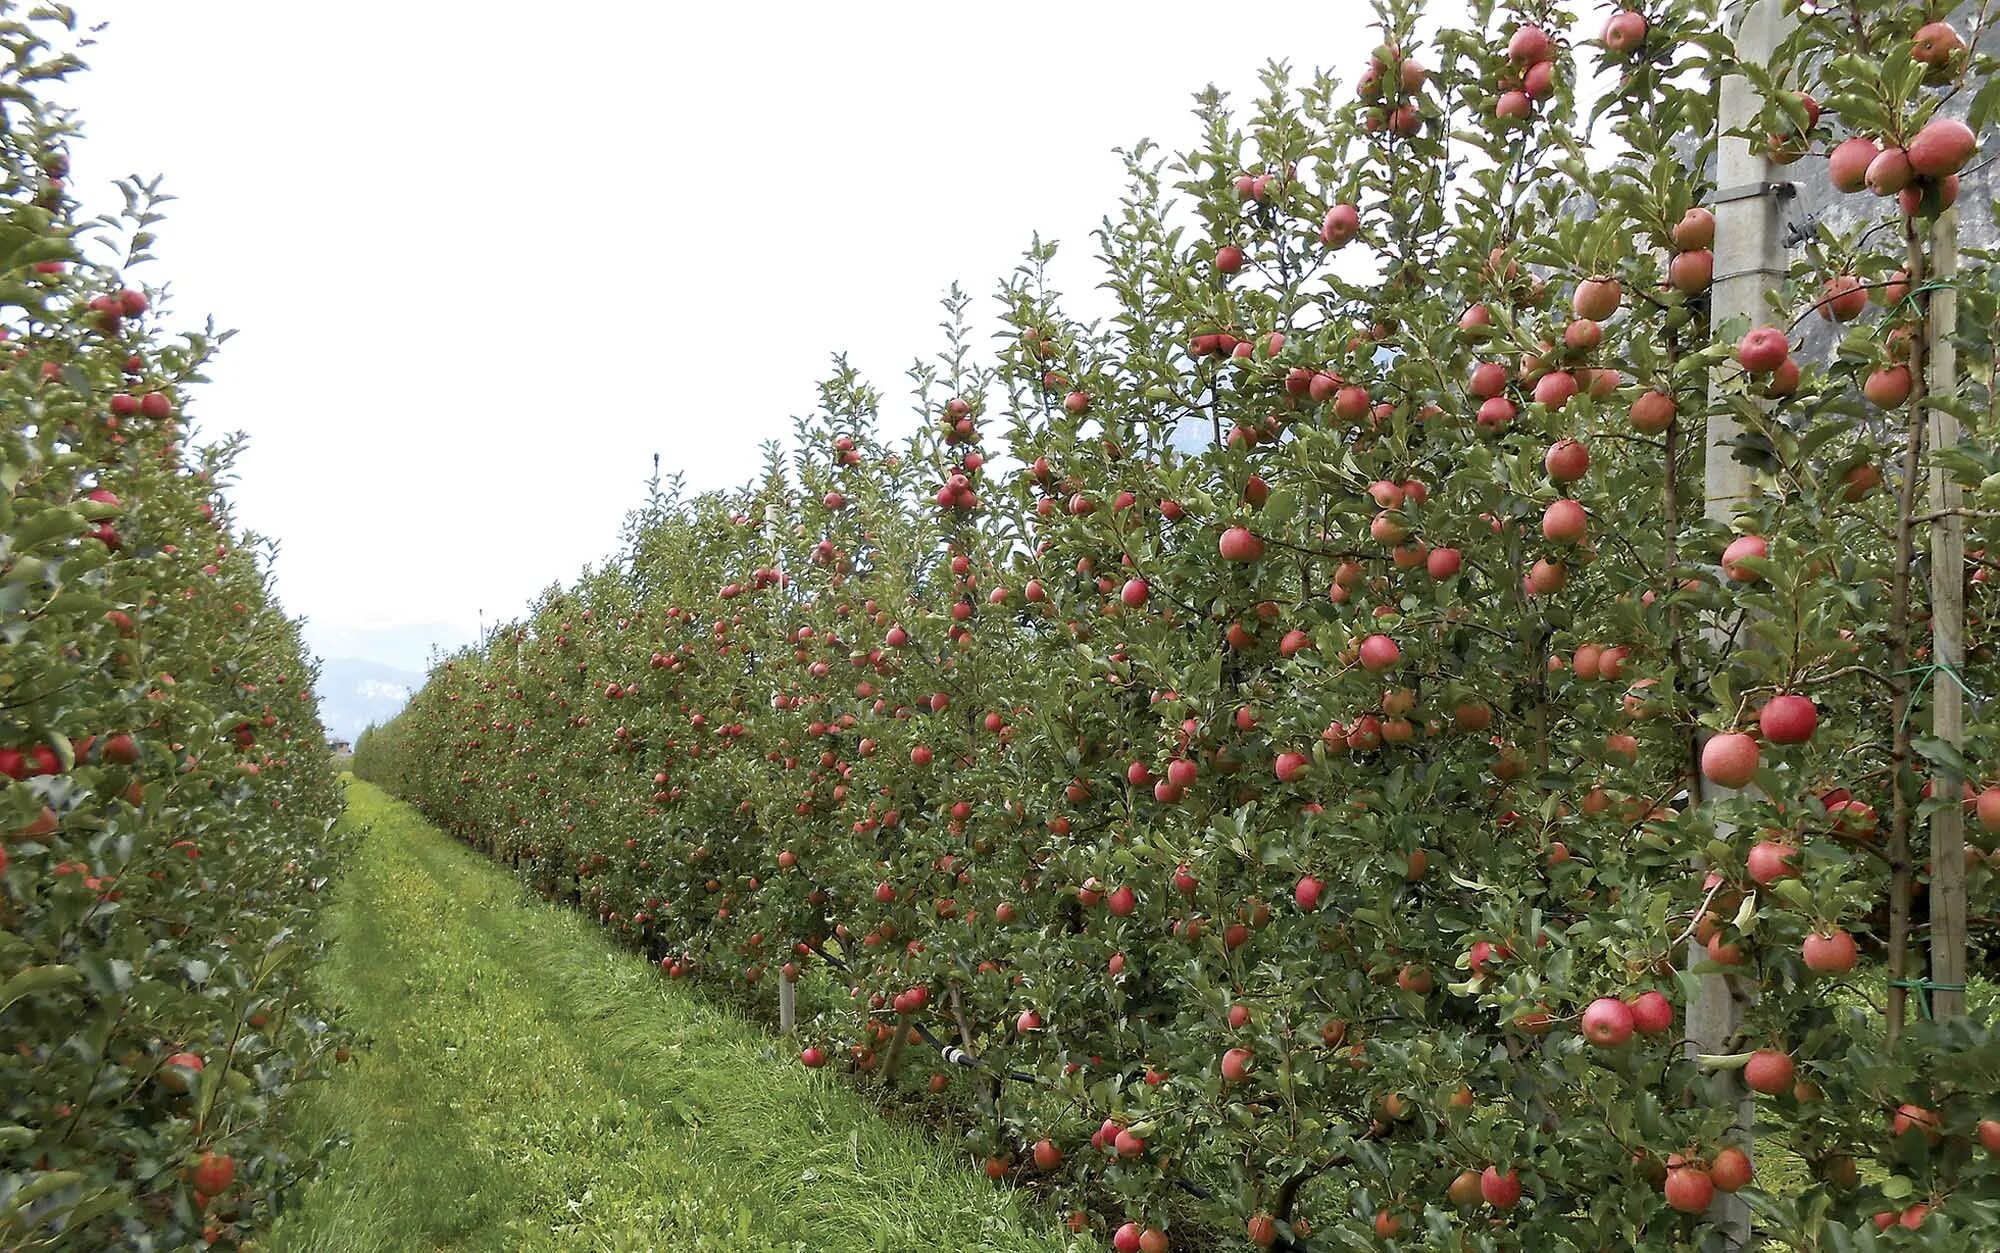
(355,693)
(407,646)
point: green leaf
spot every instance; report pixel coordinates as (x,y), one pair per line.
(35,979)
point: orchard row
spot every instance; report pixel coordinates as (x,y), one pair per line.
(1427,724)
(166,793)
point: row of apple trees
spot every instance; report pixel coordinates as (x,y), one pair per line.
(166,793)
(1308,739)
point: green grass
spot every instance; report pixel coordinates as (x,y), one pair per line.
(526,1085)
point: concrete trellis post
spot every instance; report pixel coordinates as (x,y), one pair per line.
(1749,264)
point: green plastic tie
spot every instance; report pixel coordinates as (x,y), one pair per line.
(1922,986)
(1927,671)
(1927,285)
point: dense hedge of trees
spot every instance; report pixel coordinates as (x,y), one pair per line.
(166,793)
(1312,736)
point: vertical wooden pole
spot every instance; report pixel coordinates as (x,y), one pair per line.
(788,1005)
(1947,930)
(1749,264)
(894,1060)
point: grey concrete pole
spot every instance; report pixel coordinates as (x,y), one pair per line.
(1749,265)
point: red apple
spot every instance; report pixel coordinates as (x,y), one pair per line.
(1769,1071)
(1567,460)
(1652,1013)
(1942,147)
(1730,760)
(1238,544)
(1829,951)
(1689,1189)
(1763,350)
(1500,1191)
(1788,719)
(1608,1022)
(1742,548)
(1731,1170)
(1695,230)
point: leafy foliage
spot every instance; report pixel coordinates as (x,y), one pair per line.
(165,787)
(1288,778)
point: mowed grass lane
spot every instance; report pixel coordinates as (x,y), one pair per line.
(527,1085)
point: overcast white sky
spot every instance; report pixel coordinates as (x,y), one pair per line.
(487,258)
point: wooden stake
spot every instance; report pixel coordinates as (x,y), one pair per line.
(1947,933)
(895,1057)
(788,1005)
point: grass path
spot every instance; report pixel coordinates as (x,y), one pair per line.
(529,1086)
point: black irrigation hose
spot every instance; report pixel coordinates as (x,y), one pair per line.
(957,1056)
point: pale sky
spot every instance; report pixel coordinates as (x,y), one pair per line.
(486,259)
